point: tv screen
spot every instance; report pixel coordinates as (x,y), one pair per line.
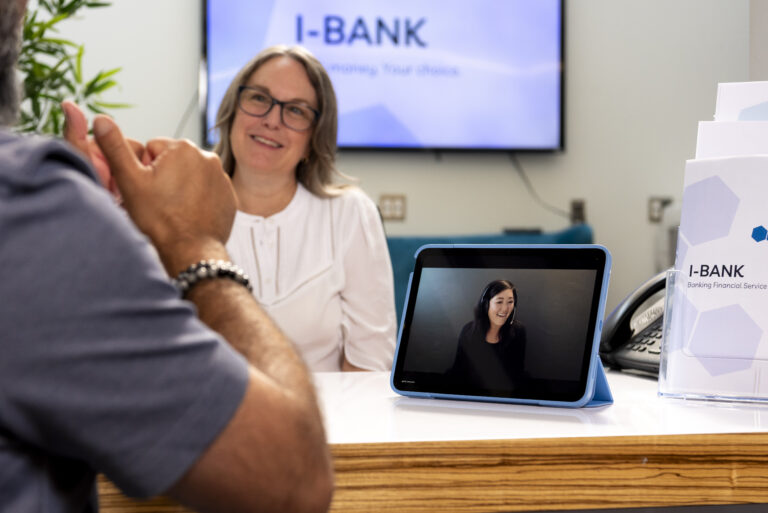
(424,74)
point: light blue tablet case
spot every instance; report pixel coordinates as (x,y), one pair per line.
(602,394)
(597,383)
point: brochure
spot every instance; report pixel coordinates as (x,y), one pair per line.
(716,328)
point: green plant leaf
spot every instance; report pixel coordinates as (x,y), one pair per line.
(79,64)
(99,87)
(96,109)
(29,23)
(52,68)
(68,7)
(109,73)
(42,27)
(58,42)
(105,105)
(52,97)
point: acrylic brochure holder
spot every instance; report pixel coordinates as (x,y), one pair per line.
(715,354)
(715,334)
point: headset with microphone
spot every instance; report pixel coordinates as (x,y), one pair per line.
(484,303)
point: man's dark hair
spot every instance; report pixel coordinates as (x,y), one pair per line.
(10,42)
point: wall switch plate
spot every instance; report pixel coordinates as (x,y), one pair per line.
(656,206)
(392,207)
(578,211)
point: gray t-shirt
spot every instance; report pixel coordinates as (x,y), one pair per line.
(103,368)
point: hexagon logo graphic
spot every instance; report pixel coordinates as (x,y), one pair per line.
(711,209)
(759,233)
(725,340)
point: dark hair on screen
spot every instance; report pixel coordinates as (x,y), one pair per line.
(482,323)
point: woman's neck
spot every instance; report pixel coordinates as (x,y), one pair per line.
(492,335)
(263,196)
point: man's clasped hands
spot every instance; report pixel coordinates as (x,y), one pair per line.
(173,190)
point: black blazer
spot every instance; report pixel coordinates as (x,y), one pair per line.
(484,366)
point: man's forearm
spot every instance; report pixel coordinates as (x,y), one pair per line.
(279,425)
(230,310)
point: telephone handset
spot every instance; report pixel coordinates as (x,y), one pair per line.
(631,336)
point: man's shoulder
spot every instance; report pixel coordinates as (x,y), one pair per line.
(23,155)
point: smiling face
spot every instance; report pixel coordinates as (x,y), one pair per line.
(264,145)
(500,307)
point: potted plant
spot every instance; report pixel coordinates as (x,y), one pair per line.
(52,69)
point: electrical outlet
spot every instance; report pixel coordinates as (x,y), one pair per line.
(578,211)
(656,206)
(392,207)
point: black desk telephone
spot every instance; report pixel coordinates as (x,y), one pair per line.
(632,332)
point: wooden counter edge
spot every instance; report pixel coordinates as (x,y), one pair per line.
(533,474)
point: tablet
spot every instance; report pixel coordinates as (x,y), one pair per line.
(506,323)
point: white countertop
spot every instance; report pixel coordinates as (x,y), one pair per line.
(360,407)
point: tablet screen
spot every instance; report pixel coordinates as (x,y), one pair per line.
(511,322)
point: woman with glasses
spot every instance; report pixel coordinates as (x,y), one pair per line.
(315,250)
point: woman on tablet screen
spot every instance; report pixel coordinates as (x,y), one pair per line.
(491,348)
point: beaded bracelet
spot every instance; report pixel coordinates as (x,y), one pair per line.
(206,269)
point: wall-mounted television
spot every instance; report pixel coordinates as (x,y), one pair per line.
(411,74)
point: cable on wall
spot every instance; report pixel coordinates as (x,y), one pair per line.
(532,191)
(185,117)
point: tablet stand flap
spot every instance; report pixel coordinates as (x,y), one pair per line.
(602,394)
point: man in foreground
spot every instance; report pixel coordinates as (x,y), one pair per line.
(103,368)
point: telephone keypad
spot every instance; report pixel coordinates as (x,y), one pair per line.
(643,348)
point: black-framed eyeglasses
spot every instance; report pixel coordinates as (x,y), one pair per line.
(295,115)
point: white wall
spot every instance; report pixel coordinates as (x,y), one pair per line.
(157,43)
(640,75)
(758,40)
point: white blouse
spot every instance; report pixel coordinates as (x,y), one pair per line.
(321,269)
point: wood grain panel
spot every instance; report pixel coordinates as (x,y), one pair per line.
(535,474)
